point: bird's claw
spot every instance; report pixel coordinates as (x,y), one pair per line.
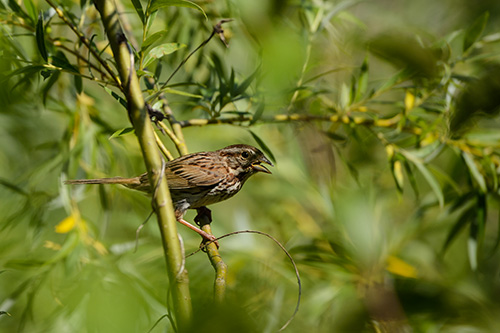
(207,239)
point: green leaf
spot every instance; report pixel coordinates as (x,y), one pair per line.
(13,187)
(152,39)
(472,248)
(263,146)
(60,60)
(116,96)
(30,9)
(157,4)
(51,81)
(362,83)
(40,38)
(474,32)
(457,227)
(160,51)
(138,9)
(433,183)
(181,93)
(335,137)
(345,96)
(476,174)
(397,174)
(19,11)
(240,89)
(411,177)
(497,241)
(121,132)
(230,84)
(258,113)
(78,84)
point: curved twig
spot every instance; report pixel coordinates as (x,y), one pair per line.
(282,248)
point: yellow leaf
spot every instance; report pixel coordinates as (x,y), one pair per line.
(66,225)
(409,101)
(389,149)
(51,245)
(398,173)
(99,247)
(400,267)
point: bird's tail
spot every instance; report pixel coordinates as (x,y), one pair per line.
(140,183)
(132,182)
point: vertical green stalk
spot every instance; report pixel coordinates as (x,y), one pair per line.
(215,258)
(152,157)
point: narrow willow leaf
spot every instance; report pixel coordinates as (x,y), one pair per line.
(122,132)
(345,96)
(411,177)
(335,137)
(78,84)
(459,225)
(13,187)
(152,39)
(31,9)
(263,146)
(497,241)
(50,83)
(409,101)
(240,89)
(28,70)
(157,4)
(60,60)
(433,183)
(472,252)
(180,92)
(399,76)
(258,113)
(397,173)
(231,81)
(474,32)
(160,51)
(19,11)
(139,11)
(476,174)
(120,99)
(362,83)
(40,38)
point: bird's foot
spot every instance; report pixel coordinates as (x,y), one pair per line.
(204,216)
(207,240)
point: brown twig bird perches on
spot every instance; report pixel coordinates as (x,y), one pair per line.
(200,179)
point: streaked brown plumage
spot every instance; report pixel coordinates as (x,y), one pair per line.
(200,179)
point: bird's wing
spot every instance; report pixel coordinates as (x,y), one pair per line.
(188,172)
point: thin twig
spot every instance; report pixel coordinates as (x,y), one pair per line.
(85,41)
(282,248)
(162,147)
(217,29)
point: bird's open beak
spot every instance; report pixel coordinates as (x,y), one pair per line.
(258,167)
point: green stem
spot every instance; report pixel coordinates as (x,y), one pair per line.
(145,134)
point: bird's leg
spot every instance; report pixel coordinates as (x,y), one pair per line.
(206,236)
(203,219)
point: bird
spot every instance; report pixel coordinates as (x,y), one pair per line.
(199,179)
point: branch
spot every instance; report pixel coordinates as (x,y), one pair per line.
(281,118)
(155,165)
(204,218)
(85,41)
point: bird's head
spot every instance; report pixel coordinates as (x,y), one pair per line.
(245,160)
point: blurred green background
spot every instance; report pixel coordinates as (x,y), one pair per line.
(390,208)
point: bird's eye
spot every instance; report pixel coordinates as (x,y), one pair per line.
(245,154)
